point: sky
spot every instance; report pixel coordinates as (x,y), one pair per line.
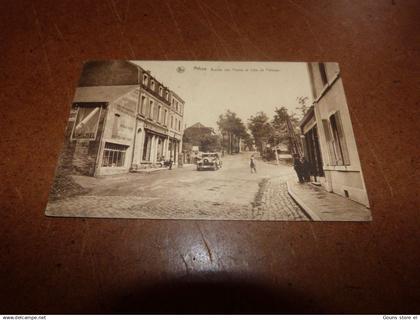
(209,88)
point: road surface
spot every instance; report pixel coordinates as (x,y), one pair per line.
(231,193)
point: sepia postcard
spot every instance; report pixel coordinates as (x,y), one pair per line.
(210,140)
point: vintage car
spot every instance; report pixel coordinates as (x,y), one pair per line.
(209,161)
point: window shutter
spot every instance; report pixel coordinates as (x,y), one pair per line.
(336,141)
(328,137)
(326,130)
(346,156)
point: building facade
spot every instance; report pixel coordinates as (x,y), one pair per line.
(159,124)
(122,119)
(329,142)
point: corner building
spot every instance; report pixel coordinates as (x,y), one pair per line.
(122,119)
(159,124)
(329,142)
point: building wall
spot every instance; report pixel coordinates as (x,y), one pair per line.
(163,128)
(176,126)
(138,144)
(345,179)
(119,131)
(125,123)
(152,124)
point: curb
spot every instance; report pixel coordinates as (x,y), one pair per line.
(148,171)
(313,215)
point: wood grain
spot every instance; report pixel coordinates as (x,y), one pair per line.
(64,265)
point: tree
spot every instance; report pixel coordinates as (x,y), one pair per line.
(261,130)
(210,143)
(303,107)
(232,129)
(249,141)
(281,132)
(279,123)
(201,136)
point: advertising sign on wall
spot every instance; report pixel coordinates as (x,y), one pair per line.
(124,116)
(86,124)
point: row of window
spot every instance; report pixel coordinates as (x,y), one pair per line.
(152,86)
(158,113)
(175,103)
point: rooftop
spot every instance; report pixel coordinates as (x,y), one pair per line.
(101,93)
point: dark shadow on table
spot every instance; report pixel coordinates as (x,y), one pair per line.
(213,295)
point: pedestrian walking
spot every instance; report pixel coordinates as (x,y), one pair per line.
(297,165)
(306,169)
(252,164)
(170,163)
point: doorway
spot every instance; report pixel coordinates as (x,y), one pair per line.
(314,152)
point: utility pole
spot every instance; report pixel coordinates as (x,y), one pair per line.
(294,139)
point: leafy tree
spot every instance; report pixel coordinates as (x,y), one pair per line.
(279,123)
(203,137)
(261,129)
(281,132)
(303,104)
(249,141)
(232,128)
(210,143)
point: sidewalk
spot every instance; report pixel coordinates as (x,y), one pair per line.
(150,170)
(321,205)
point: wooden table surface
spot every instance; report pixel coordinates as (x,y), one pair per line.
(63,265)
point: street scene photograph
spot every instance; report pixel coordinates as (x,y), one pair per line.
(210,140)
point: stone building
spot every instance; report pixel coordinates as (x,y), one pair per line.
(121,119)
(159,124)
(329,142)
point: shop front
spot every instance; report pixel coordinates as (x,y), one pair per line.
(115,154)
(155,144)
(175,147)
(312,150)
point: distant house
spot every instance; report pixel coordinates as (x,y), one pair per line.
(195,132)
(198,135)
(198,138)
(329,142)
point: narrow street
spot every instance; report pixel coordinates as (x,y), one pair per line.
(231,193)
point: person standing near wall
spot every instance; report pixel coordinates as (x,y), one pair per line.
(297,165)
(306,169)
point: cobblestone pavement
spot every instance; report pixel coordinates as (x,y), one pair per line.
(276,203)
(231,193)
